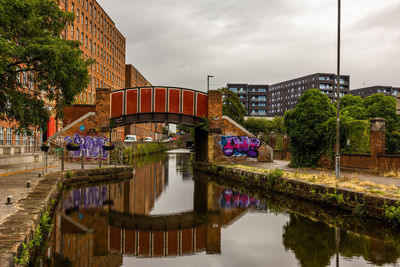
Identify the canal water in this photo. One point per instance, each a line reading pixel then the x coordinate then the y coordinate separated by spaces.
pixel 168 216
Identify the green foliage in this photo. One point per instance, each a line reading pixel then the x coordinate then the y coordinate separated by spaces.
pixel 231 106
pixel 273 176
pixel 37 241
pixel 30 42
pixel 392 214
pixel 333 197
pixel 257 125
pixel 305 125
pixel 204 125
pixel 69 174
pixel 143 149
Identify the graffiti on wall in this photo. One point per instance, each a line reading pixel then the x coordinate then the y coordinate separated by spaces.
pixel 232 199
pixel 240 146
pixel 90 145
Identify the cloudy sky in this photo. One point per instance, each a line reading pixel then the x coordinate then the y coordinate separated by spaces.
pixel 180 42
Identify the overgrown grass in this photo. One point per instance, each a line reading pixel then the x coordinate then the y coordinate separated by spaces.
pixel 328 179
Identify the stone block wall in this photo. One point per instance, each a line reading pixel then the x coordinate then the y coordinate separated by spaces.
pixel 225 135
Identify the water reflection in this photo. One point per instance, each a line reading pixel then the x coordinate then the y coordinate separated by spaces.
pixel 162 214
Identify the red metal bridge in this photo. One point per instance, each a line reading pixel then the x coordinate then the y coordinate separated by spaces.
pixel 158 104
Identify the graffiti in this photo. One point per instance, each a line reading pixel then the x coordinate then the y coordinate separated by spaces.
pixel 91 146
pixel 240 146
pixel 92 197
pixel 232 199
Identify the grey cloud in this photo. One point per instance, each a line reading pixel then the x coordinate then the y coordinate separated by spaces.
pixel 179 42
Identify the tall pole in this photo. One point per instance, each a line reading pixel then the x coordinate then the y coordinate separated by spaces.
pixel 208 82
pixel 337 165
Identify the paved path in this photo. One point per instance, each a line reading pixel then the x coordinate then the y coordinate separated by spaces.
pixel 282 164
pixel 15 185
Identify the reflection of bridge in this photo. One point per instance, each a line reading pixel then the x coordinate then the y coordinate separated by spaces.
pixel 103 232
pixel 158 104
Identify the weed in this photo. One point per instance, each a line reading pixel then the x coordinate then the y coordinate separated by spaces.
pixel 333 197
pixel 376 191
pixel 69 175
pixel 392 214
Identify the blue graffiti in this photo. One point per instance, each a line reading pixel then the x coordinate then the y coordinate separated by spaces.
pixel 91 146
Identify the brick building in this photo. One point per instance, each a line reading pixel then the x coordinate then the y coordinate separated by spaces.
pixel 276 99
pixel 101 41
pixel 367 91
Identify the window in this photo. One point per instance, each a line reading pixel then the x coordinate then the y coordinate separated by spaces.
pixel 82 19
pixel 72 7
pixel 72 30
pixel 31 80
pixel 82 39
pixel 1 136
pixel 77 14
pixel 24 138
pixel 24 78
pixel 18 75
pixel 87 23
pixel 17 139
pixel 8 137
pixel 77 34
pixel 32 140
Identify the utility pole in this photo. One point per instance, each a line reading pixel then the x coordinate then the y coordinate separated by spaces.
pixel 337 157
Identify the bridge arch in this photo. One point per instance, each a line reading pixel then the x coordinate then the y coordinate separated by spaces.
pixel 158 104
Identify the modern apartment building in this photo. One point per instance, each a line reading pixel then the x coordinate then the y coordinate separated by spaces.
pixel 367 91
pixel 252 96
pixel 276 99
pixel 283 96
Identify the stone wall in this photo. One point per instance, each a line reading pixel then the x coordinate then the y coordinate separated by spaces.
pixel 230 142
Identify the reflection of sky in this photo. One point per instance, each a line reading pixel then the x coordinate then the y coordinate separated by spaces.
pixel 178 195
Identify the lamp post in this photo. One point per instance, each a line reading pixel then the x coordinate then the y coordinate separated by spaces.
pixel 337 157
pixel 208 81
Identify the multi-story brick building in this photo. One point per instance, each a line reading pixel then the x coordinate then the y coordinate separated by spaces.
pixel 367 91
pixel 100 40
pixel 276 99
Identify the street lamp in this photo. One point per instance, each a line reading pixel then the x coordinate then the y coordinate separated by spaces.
pixel 208 81
pixel 337 157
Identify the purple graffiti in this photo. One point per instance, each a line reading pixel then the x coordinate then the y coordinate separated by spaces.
pixel 92 197
pixel 232 199
pixel 240 146
pixel 90 145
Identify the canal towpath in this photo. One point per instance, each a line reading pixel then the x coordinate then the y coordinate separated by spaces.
pixel 362 176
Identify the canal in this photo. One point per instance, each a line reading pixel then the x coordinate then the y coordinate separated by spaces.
pixel 167 216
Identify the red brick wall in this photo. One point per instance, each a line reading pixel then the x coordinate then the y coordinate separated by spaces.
pixel 72 113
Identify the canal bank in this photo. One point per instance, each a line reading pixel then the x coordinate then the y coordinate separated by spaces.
pixel 362 199
pixel 20 232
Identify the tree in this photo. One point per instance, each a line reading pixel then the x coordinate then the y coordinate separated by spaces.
pixel 232 107
pixel 31 47
pixel 305 125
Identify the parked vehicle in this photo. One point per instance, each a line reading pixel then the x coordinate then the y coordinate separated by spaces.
pixel 130 138
pixel 148 139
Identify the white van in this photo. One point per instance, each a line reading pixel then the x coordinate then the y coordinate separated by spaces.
pixel 130 138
